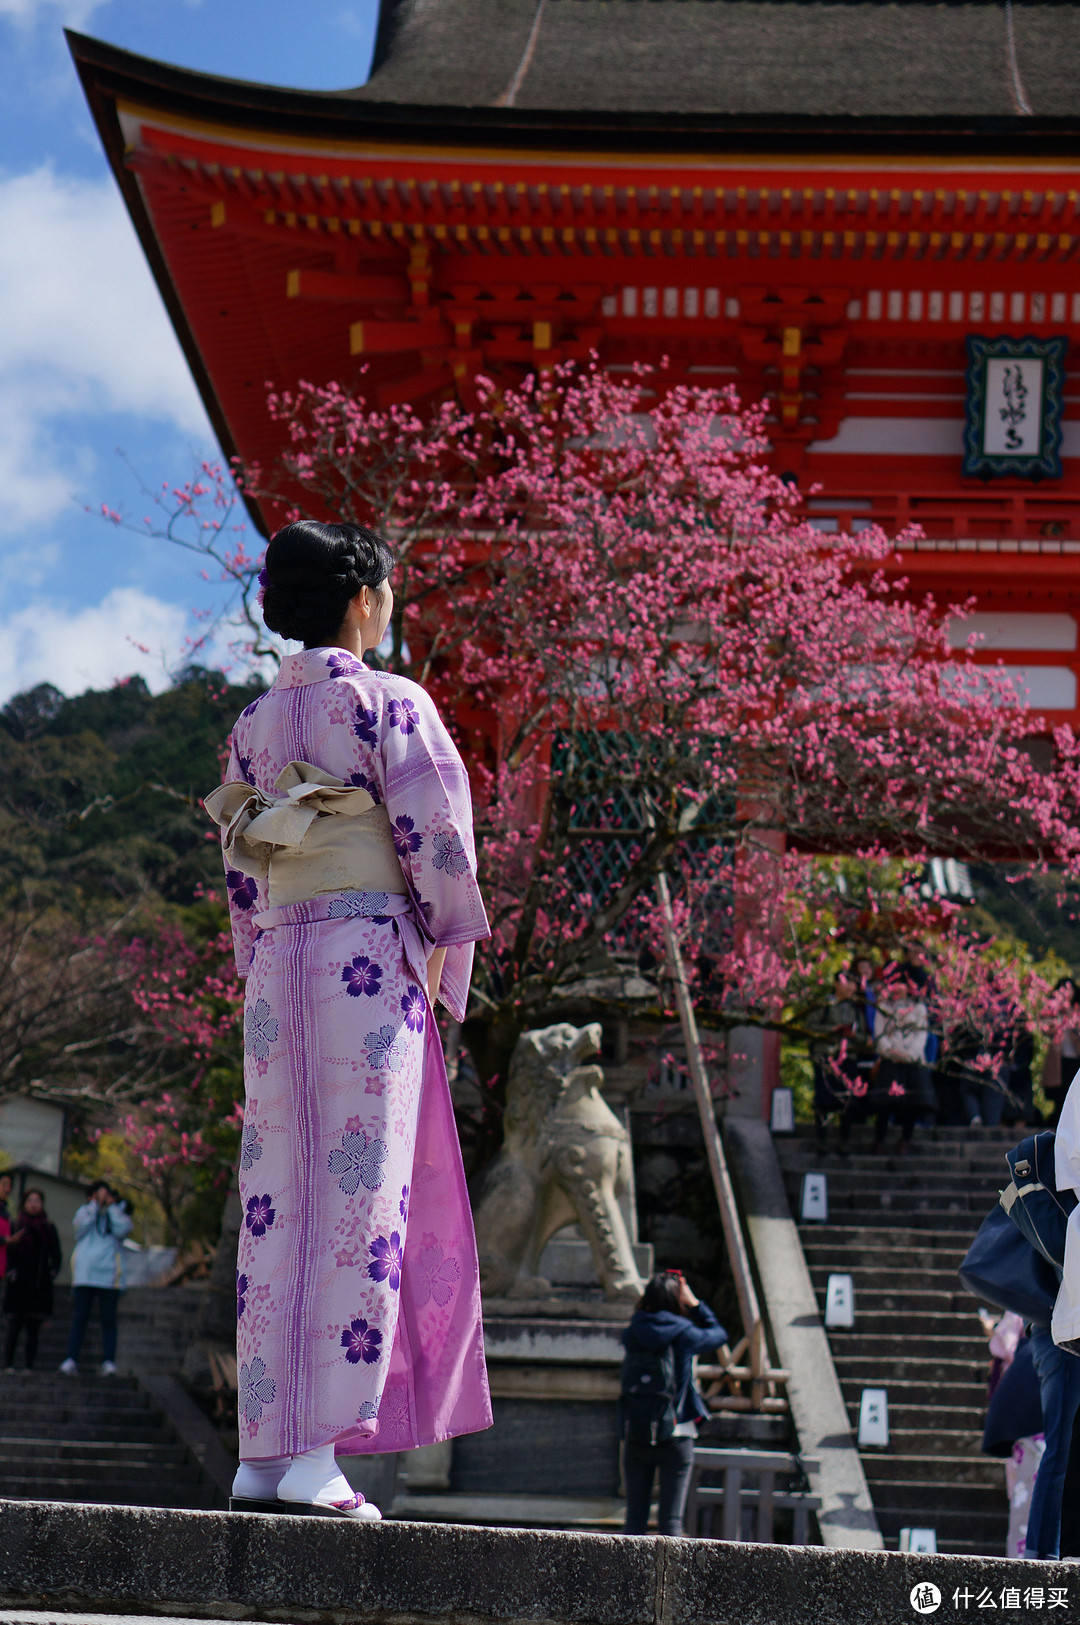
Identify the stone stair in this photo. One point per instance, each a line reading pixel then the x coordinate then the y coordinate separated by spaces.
pixel 899 1226
pixel 95 1439
pixel 102 1439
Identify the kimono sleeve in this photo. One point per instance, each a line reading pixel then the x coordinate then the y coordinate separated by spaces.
pixel 247 896
pixel 430 808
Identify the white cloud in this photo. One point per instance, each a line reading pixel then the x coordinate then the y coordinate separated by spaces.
pixel 66 13
pixel 129 633
pixel 84 334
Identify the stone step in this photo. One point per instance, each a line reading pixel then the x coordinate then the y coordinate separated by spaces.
pixel 36 1387
pixel 937 1135
pixel 884 1290
pixel 884 1304
pixel 889 1352
pixel 88 1426
pixel 934 1155
pixel 922 1505
pixel 93 1462
pixel 938 1175
pixel 880 1266
pixel 914 1397
pixel 946 1184
pixel 107 1489
pixel 932 1250
pixel 909 1441
pixel 909 1208
pixel 895 1326
pixel 944 1419
pixel 939 1293
pixel 57 1382
pixel 982 1472
pixel 882 1373
pixel 965 1221
pixel 148 1354
pixel 158 1455
pixel 879 1208
pixel 41 1415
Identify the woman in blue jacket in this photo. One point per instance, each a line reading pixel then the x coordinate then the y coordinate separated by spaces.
pixel 668 1317
pixel 97 1271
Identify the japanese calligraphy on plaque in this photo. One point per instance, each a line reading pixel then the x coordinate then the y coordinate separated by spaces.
pixel 1014 401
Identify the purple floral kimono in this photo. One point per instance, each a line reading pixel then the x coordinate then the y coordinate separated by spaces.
pixel 357 1288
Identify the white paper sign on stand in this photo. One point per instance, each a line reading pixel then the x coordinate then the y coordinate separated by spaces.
pixel 874 1418
pixel 918 1540
pixel 815 1199
pixel 782 1116
pixel 839 1303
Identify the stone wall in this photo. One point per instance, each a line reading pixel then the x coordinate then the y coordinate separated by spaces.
pixel 316 1571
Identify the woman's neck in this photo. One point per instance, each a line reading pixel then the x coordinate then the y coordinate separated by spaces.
pixel 350 639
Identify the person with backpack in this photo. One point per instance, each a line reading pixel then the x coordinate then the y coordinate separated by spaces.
pixel 659 1404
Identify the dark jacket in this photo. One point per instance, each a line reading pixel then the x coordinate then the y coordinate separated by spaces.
pixel 33 1262
pixel 689 1337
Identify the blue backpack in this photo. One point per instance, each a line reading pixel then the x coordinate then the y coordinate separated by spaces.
pixel 1032 1200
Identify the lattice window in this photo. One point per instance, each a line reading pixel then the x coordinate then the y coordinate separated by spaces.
pixel 599 773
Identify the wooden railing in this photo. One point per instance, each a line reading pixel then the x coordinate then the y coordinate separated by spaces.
pixel 750 1483
pixel 997 520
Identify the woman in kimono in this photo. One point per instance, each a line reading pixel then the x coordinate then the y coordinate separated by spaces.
pixel 350 867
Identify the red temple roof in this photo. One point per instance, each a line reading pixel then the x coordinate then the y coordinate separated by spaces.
pixel 831 260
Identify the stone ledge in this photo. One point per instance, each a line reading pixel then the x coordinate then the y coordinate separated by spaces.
pixel 313 1571
pixel 847 1517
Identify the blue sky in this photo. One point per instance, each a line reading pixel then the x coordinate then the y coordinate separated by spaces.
pixel 89 366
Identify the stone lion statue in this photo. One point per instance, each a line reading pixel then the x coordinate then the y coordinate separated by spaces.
pixel 565 1158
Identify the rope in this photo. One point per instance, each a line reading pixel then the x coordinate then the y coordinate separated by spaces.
pixel 509 95
pixel 1020 101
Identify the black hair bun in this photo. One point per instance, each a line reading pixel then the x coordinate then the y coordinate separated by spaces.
pixel 313 571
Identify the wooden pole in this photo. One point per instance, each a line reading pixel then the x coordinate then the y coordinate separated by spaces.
pixel 725 1196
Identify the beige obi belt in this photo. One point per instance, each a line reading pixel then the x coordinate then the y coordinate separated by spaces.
pixel 317 835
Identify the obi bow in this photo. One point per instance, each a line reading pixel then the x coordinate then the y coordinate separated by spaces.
pixel 255 824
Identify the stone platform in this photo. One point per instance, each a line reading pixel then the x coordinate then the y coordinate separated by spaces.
pixel 59 1562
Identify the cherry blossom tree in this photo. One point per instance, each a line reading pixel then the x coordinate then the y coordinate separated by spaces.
pixel 653 662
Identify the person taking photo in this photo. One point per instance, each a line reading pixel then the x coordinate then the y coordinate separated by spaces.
pixel 660 1406
pixel 97 1273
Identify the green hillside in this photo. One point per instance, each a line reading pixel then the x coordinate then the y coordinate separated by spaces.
pixel 100 793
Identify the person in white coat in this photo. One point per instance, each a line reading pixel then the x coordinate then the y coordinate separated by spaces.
pixel 901 1028
pixel 97 1272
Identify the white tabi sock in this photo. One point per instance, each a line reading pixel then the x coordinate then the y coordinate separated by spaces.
pixel 259 1480
pixel 315 1476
